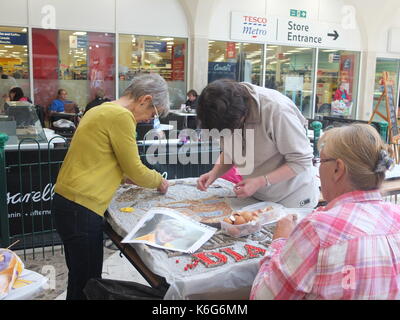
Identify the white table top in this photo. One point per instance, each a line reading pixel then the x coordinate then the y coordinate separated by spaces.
pixel 183 114
pixel 232 280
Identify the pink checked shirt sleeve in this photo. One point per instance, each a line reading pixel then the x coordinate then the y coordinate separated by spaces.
pixel 289 270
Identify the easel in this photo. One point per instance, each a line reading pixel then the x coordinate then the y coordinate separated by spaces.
pixel 391 114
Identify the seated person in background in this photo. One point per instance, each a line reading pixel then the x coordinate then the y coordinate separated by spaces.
pixel 191 102
pixel 61 104
pixel 16 94
pixel 99 99
pixel 349 249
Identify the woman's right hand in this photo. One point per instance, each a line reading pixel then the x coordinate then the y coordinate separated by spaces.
pixel 205 180
pixel 163 188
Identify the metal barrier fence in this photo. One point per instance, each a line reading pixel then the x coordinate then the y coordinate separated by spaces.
pixel 27 181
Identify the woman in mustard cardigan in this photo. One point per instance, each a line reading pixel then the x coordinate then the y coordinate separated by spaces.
pixel 102 151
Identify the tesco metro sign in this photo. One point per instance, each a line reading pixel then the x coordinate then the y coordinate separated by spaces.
pixel 250 27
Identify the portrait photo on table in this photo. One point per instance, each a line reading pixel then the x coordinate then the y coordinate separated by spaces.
pixel 169 229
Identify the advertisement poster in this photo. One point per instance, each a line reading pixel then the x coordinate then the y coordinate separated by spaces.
pixel 169 229
pixel 178 62
pixel 230 50
pixel 347 70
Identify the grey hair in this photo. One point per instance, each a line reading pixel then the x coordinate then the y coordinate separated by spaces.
pixel 150 84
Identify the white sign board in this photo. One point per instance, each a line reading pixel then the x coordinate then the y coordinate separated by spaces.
pixel 73 42
pixel 294 83
pixel 301 32
pixel 252 27
pixel 293 32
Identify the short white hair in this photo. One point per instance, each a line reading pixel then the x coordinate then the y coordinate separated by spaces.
pixel 150 84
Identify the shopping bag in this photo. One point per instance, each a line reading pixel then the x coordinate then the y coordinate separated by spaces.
pixel 108 289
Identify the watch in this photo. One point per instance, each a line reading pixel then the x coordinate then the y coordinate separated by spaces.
pixel 267 181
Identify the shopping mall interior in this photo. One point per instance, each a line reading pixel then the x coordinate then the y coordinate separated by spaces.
pixel 334 62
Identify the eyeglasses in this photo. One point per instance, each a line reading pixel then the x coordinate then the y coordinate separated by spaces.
pixel 156 115
pixel 156 120
pixel 318 160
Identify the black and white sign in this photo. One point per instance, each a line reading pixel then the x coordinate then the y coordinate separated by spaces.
pixel 293 32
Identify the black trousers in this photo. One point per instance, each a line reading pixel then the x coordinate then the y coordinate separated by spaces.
pixel 81 231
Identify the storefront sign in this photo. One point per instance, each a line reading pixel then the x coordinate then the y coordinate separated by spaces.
pixel 293 31
pixel 333 57
pixel 221 70
pixel 13 38
pixel 155 46
pixel 251 27
pixel 301 32
pixel 82 41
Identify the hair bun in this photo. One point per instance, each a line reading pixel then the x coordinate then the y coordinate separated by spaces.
pixel 384 162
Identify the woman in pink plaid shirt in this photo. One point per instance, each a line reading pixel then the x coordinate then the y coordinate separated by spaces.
pixel 349 249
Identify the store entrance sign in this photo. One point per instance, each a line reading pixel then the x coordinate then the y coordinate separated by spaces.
pixel 300 32
pixel 252 27
pixel 293 31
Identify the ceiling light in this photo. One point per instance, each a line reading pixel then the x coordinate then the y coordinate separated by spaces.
pixel 167 39
pixel 8 46
pixel 79 33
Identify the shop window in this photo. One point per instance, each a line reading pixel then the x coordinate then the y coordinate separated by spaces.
pixel 392 67
pixel 14 62
pixel 149 54
pixel 79 62
pixel 337 83
pixel 289 70
pixel 235 60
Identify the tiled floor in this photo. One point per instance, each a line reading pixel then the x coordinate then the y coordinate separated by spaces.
pixel 114 267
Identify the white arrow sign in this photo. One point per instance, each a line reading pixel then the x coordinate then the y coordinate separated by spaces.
pixel 293 32
pixel 300 32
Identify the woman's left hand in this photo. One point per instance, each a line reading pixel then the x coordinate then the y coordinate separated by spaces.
pixel 248 187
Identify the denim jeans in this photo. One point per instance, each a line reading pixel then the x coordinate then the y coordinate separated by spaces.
pixel 81 231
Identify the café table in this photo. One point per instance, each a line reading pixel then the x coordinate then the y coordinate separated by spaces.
pixel 184 114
